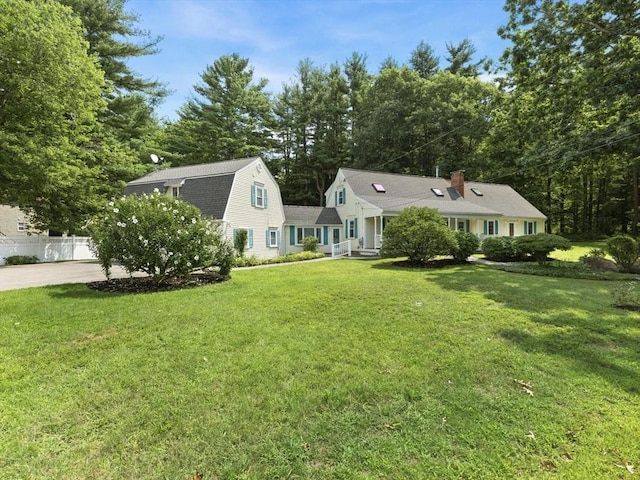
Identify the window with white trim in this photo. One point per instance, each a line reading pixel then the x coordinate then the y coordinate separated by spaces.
pixel 353 233
pixel 304 232
pixel 22 226
pixel 272 237
pixel 491 228
pixel 260 196
pixel 529 228
pixel 340 196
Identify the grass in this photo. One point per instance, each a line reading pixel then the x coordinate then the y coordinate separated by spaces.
pixel 349 369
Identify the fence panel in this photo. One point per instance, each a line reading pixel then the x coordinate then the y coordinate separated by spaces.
pixel 47 249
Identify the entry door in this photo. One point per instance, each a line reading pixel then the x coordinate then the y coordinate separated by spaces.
pixel 512 229
pixel 336 235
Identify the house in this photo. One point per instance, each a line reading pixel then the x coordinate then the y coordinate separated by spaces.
pixel 367 200
pixel 324 223
pixel 15 223
pixel 241 194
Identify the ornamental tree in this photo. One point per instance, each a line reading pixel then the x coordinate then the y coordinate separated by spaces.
pixel 418 233
pixel 158 235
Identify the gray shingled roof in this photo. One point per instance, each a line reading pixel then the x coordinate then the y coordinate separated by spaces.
pixel 193 171
pixel 403 191
pixel 298 215
pixel 207 186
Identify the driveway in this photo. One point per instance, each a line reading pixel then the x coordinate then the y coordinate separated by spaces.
pixel 13 277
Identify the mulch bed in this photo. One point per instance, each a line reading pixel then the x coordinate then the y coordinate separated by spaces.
pixel 146 284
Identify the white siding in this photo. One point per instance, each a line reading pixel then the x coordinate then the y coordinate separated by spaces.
pixel 241 214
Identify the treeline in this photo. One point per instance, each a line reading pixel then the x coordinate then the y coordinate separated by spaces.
pixel 560 123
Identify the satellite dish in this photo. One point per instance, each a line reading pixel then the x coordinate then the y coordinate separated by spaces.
pixel 154 158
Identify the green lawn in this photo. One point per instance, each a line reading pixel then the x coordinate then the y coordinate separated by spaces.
pixel 348 369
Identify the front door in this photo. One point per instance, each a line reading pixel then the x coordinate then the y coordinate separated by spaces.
pixel 512 229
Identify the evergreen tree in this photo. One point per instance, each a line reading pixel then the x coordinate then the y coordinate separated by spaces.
pixel 230 116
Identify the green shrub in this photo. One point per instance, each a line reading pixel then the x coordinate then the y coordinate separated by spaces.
pixel 21 260
pixel 501 249
pixel 540 245
pixel 467 245
pixel 240 241
pixel 626 295
pixel 418 233
pixel 624 250
pixel 310 244
pixel 161 236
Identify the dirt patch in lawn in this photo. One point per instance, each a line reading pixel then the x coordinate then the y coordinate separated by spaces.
pixel 147 284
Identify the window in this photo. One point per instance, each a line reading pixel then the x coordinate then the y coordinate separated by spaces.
pixel 341 196
pixel 174 191
pixel 273 237
pixel 462 226
pixel 437 192
pixel 258 196
pixel 353 228
pixel 529 228
pixel 491 227
pixel 304 232
pixel 378 187
pixel 22 226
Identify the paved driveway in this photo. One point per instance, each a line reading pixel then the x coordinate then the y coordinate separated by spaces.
pixel 24 276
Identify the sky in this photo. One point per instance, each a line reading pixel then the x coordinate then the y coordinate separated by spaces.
pixel 275 35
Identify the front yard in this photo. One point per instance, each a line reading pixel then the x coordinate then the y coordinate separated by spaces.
pixel 338 369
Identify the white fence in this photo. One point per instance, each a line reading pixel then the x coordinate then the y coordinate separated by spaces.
pixel 47 249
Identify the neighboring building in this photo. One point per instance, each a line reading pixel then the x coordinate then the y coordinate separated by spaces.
pixel 321 222
pixel 239 193
pixel 15 223
pixel 366 200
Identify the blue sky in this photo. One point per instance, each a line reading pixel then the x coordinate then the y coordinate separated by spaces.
pixel 276 34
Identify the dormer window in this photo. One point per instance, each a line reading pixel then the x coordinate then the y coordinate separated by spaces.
pixel 437 192
pixel 477 192
pixel 378 187
pixel 173 186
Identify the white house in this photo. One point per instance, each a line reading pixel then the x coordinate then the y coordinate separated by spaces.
pixel 366 200
pixel 241 194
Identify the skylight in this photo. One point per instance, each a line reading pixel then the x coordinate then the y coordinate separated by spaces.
pixel 477 192
pixel 438 192
pixel 378 187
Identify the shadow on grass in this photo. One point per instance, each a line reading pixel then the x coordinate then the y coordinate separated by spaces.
pixel 78 291
pixel 575 319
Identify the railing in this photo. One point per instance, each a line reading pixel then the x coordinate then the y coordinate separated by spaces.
pixel 341 249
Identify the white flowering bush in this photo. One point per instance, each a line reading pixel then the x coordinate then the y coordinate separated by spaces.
pixel 162 236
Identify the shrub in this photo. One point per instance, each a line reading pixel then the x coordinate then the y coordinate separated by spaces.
pixel 240 241
pixel 626 295
pixel 417 233
pixel 624 250
pixel 21 260
pixel 540 245
pixel 501 249
pixel 161 236
pixel 310 244
pixel 467 245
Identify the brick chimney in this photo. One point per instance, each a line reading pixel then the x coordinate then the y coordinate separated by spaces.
pixel 457 181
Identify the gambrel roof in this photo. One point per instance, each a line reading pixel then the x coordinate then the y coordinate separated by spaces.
pixel 401 191
pixel 207 185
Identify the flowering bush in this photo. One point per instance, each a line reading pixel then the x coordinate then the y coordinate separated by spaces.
pixel 161 236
